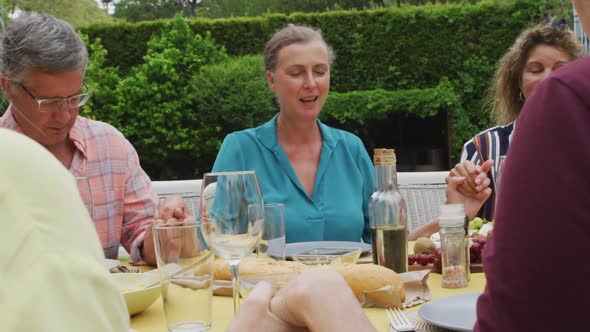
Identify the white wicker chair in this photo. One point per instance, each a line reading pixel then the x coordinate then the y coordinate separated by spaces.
pixel 424 193
pixel 189 190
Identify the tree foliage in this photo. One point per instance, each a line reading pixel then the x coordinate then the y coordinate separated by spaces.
pixel 76 12
pixel 235 8
pixel 145 10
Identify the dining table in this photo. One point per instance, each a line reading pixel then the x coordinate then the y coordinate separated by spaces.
pixel 153 320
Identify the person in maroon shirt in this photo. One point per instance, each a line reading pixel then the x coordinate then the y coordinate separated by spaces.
pixel 536 260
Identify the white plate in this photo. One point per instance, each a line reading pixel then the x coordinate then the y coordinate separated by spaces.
pixel 299 247
pixel 111 263
pixel 453 312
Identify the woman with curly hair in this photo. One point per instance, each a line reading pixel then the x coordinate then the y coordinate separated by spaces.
pixel 535 54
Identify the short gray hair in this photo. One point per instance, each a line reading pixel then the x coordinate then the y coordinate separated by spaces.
pixel 40 42
pixel 288 35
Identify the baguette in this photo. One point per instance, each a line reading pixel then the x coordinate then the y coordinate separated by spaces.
pixel 369 277
pixel 361 278
pixel 252 266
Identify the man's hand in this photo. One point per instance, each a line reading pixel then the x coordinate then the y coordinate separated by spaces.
pixel 469 185
pixel 316 300
pixel 255 314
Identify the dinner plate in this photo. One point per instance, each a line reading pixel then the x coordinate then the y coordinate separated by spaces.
pixel 299 247
pixel 453 312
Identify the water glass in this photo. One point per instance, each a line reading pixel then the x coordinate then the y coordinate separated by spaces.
pixel 185 265
pixel 272 243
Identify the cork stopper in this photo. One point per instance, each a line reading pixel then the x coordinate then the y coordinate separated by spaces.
pixel 384 157
pixel 377 156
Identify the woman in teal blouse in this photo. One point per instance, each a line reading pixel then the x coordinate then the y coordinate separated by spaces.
pixel 323 175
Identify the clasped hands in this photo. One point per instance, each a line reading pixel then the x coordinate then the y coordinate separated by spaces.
pixel 316 300
pixel 469 184
pixel 172 211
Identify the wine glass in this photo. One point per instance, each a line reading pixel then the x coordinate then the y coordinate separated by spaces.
pixel 227 227
pixel 86 194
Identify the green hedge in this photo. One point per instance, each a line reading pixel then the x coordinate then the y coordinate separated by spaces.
pixel 389 48
pixel 177 96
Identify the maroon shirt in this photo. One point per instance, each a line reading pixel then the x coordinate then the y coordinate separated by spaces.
pixel 537 262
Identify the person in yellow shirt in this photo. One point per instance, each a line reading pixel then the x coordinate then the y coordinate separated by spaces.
pixel 51 264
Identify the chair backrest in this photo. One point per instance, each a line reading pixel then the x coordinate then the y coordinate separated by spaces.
pixel 189 190
pixel 424 193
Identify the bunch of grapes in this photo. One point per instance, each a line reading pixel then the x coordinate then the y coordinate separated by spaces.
pixel 422 259
pixel 476 249
pixel 425 259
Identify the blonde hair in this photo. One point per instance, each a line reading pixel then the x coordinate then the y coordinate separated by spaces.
pixel 504 95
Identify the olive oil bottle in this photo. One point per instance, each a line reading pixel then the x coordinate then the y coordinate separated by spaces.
pixel 388 215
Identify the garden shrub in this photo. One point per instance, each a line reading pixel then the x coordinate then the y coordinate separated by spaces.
pixel 227 97
pixel 153 107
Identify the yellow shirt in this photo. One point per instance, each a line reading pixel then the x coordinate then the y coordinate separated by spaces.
pixel 52 276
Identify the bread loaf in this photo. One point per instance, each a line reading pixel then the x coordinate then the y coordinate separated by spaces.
pixel 369 277
pixel 360 277
pixel 251 266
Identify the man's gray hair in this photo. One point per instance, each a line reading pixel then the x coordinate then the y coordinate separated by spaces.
pixel 40 42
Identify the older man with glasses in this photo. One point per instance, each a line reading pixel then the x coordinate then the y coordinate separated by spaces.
pixel 42 67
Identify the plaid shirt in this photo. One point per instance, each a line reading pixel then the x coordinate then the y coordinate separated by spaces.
pixel 124 202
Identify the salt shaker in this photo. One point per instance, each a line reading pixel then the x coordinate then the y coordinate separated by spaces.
pixel 452 239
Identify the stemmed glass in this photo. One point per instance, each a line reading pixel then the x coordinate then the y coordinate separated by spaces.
pixel 227 227
pixel 86 194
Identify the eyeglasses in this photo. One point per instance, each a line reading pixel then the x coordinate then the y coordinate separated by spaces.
pixel 53 104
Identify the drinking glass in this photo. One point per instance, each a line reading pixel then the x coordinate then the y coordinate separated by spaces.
pixel 227 227
pixel 86 194
pixel 185 266
pixel 272 242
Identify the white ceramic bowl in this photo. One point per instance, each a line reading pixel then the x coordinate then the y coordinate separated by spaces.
pixel 132 287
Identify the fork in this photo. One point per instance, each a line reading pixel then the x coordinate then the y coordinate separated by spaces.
pixel 399 321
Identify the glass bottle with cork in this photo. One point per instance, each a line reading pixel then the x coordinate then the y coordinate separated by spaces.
pixel 453 251
pixel 388 215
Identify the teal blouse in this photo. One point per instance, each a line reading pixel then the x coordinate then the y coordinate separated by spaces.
pixel 338 208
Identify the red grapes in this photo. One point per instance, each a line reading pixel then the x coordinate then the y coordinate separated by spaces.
pixel 476 249
pixel 478 244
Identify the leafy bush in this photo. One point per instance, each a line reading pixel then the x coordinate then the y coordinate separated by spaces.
pixel 103 82
pixel 229 96
pixel 153 107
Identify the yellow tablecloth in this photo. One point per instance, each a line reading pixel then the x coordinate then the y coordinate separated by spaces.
pixel 152 320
